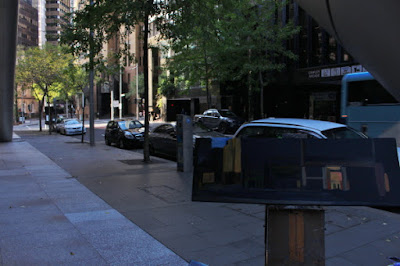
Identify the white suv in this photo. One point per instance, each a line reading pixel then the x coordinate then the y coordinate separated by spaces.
pixel 297 128
pixel 282 128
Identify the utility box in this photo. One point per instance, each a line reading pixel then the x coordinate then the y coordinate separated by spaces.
pixel 184 140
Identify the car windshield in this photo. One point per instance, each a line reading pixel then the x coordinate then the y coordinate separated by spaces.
pixel 129 124
pixel 71 122
pixel 227 113
pixel 200 128
pixel 343 133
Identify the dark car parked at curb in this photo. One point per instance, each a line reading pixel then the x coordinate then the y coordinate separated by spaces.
pixel 125 133
pixel 162 139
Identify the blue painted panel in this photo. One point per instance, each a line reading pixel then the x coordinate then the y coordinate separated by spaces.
pixel 378 119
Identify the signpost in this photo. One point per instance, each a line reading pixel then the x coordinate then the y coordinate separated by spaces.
pixel 184 140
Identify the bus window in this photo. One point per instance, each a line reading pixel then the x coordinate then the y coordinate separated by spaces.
pixel 368 107
pixel 368 92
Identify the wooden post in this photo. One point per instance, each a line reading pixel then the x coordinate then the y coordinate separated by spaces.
pixel 294 235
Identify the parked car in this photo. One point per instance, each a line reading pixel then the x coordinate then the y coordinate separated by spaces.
pixel 57 123
pixel 162 139
pixel 282 128
pixel 223 120
pixel 297 128
pixel 71 127
pixel 125 133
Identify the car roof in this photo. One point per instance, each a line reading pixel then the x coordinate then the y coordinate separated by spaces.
pixel 124 119
pixel 304 123
pixel 214 109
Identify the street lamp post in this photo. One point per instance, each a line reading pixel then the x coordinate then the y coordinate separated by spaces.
pixel 112 103
pixel 120 93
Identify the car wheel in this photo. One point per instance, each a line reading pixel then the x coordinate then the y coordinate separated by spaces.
pixel 121 144
pixel 108 143
pixel 222 128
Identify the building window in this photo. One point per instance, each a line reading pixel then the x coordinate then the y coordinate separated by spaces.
pixel 303 60
pixel 316 45
pixel 332 49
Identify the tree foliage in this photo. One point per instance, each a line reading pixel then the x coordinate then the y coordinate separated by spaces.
pixel 43 71
pixel 226 40
pixel 108 19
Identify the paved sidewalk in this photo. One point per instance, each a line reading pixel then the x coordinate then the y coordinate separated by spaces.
pixel 49 218
pixel 47 207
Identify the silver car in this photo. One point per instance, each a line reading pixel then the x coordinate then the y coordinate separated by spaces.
pixel 71 127
pixel 282 128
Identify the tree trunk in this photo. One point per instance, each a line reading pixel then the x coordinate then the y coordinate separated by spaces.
pixel 206 77
pixel 48 106
pixel 146 151
pixel 261 95
pixel 41 103
pixel 16 103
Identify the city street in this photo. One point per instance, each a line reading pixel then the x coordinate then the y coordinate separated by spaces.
pixel 157 198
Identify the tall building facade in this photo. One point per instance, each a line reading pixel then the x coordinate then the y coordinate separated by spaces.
pixel 310 86
pixel 55 12
pixel 27 24
pixel 40 5
pixel 27 36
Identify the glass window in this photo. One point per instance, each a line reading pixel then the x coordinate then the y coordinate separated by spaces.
pixel 276 133
pixel 135 124
pixel 227 113
pixel 200 128
pixel 122 125
pixel 251 131
pixel 368 92
pixel 343 133
pixel 71 122
pixel 164 129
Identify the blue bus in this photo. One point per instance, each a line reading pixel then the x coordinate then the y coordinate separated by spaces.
pixel 368 107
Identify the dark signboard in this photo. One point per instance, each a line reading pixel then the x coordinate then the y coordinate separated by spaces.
pixel 359 172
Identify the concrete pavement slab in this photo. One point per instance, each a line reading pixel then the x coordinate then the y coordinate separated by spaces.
pixel 338 261
pixel 358 236
pixel 365 255
pixel 46 218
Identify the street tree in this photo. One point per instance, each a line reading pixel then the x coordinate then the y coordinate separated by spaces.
pixel 76 79
pixel 108 19
pixel 132 87
pixel 43 70
pixel 227 41
pixel 20 84
pixel 190 28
